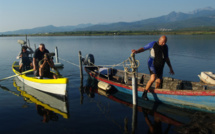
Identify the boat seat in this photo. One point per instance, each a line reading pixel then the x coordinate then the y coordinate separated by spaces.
pixel 118 79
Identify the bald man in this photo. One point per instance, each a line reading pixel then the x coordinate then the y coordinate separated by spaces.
pixel 158 57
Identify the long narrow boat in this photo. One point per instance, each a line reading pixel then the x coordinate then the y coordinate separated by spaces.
pixel 195 95
pixel 54 86
pixel 175 117
pixel 207 77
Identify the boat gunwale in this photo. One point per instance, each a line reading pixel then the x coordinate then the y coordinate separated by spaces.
pixel 42 81
pixel 157 91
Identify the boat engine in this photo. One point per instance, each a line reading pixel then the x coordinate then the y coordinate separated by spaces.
pixel 89 60
pixel 21 42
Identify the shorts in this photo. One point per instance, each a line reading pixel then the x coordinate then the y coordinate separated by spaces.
pixel 158 70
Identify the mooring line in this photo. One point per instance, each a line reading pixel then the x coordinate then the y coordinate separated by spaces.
pixel 111 66
pixel 69 62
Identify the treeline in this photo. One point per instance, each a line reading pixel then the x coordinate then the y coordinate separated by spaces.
pixel 112 33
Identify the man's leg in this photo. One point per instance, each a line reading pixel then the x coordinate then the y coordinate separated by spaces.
pixel 157 83
pixel 41 72
pixel 148 85
pixel 150 82
pixel 20 67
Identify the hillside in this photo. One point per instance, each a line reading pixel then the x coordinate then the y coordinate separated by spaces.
pixel 172 21
pixel 200 18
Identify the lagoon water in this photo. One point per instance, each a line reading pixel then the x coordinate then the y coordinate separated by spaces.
pixel 87 110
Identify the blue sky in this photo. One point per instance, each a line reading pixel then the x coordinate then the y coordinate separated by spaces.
pixel 26 14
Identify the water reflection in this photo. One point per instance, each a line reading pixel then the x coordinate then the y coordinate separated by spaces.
pixel 46 114
pixel 48 106
pixel 158 118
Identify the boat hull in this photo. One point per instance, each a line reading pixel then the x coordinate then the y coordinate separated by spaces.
pixel 194 102
pixel 207 77
pixel 53 86
pixel 203 100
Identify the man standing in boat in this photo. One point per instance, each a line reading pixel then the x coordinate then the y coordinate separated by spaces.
pixel 38 55
pixel 158 57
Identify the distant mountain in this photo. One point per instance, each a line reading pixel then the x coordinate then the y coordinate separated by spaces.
pixel 47 29
pixel 173 21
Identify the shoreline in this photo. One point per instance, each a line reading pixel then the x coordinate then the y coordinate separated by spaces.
pixel 115 33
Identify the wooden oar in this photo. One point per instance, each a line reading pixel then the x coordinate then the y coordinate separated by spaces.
pixel 28 71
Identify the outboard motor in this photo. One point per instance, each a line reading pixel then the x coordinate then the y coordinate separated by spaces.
pixel 89 60
pixel 21 42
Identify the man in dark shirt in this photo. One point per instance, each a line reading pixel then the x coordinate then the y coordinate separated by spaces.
pixel 158 57
pixel 38 55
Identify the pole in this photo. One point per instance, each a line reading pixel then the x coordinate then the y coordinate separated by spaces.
pixel 26 40
pixel 56 55
pixel 134 119
pixel 134 80
pixel 134 88
pixel 80 65
pixel 81 91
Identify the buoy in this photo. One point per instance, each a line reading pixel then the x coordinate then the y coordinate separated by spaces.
pixel 104 86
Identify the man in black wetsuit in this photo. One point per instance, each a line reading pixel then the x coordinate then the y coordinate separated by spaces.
pixel 157 59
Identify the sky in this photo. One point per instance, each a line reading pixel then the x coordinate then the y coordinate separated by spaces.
pixel 27 14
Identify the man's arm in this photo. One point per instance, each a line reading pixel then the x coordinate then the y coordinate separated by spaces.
pixel 51 63
pixel 43 63
pixel 34 64
pixel 142 49
pixel 169 65
pixel 138 50
pixel 19 55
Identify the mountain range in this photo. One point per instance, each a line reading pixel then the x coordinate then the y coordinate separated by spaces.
pixel 172 21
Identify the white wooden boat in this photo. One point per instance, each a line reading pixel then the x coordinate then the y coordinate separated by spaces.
pixel 207 77
pixel 53 86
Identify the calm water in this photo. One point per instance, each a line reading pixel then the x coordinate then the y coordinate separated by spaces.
pixel 87 109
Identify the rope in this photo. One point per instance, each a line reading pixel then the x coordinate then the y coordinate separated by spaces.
pixel 69 62
pixel 120 63
pixel 124 63
pixel 114 65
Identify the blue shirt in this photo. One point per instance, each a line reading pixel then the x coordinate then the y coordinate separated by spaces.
pixel 152 51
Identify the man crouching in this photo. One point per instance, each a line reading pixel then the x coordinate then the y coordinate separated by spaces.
pixel 44 67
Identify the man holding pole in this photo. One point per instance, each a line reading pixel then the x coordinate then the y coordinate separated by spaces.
pixel 158 57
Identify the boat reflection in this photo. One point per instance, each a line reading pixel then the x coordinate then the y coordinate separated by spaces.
pixel 47 105
pixel 157 115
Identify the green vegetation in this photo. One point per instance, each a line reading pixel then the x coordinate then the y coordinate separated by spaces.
pixel 187 31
